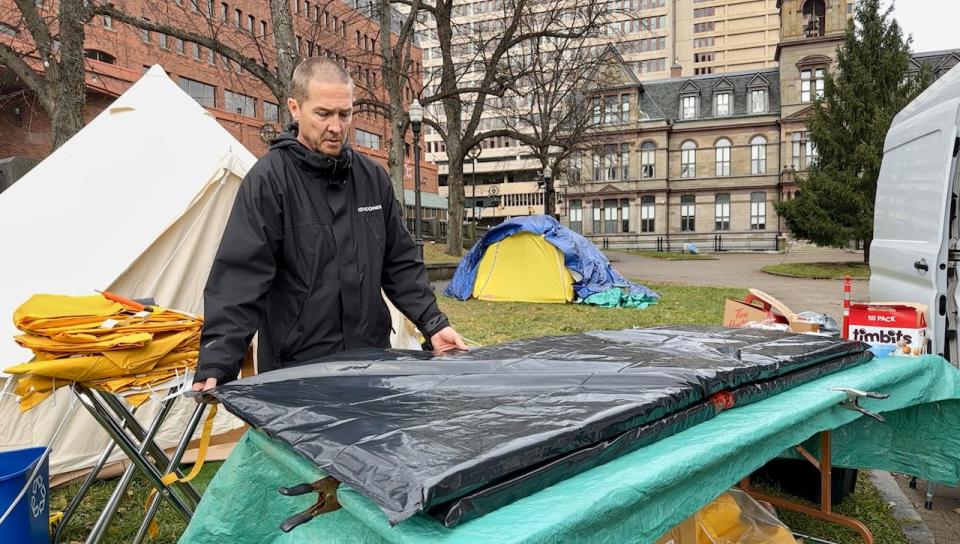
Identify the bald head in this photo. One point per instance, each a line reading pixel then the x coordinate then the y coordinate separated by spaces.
pixel 322 104
pixel 322 71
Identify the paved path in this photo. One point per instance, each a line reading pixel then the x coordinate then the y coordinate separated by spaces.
pixel 943 520
pixel 743 270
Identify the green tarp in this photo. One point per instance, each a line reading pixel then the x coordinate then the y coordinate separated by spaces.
pixel 637 497
pixel 619 298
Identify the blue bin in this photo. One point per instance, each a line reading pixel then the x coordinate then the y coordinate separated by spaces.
pixel 29 523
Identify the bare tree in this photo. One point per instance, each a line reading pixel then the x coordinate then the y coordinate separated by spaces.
pixel 49 59
pixel 396 62
pixel 320 30
pixel 550 108
pixel 474 67
pixel 269 56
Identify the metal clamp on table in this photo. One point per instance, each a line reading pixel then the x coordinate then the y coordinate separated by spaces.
pixel 825 465
pixel 326 489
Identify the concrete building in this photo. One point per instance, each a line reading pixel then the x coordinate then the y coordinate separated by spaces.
pixel 118 54
pixel 712 36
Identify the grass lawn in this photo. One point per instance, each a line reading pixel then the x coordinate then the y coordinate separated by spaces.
pixel 865 504
pixel 129 514
pixel 673 255
pixel 436 254
pixel 494 322
pixel 820 271
pixel 491 322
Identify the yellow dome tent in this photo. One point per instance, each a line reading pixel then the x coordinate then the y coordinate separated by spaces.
pixel 523 268
pixel 536 259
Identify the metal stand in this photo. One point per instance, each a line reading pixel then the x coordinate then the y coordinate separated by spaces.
pixel 171 466
pixel 82 492
pixel 931 490
pixel 145 455
pixel 825 512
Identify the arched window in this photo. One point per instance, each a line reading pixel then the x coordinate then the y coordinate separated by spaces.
pixel 758 155
pixel 648 160
pixel 723 157
pixel 688 159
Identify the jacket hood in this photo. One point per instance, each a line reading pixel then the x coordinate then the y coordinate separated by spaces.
pixel 329 167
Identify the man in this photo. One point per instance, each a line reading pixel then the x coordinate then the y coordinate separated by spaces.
pixel 314 235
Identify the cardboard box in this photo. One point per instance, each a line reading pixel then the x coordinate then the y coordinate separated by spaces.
pixel 737 313
pixel 759 307
pixel 685 533
pixel 902 326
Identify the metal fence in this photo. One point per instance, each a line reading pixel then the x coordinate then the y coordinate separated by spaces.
pixel 433 228
pixel 679 242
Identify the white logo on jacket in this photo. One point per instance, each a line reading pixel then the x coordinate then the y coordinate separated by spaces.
pixel 363 209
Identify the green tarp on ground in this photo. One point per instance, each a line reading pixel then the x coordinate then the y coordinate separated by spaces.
pixel 634 498
pixel 618 298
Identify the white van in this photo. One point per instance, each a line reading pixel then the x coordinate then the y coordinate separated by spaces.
pixel 914 254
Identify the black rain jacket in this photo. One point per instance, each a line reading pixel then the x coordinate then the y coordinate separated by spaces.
pixel 309 244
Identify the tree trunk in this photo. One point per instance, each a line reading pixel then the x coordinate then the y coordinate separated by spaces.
pixel 393 71
pixel 285 43
pixel 396 158
pixel 455 156
pixel 455 211
pixel 66 81
pixel 866 250
pixel 65 121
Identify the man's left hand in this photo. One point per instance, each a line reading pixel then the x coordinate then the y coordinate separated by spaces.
pixel 446 340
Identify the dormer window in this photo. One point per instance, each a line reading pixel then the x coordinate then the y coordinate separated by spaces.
pixel 689 101
pixel 758 95
pixel 722 102
pixel 688 107
pixel 758 100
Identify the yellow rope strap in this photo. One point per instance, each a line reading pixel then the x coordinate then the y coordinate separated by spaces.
pixel 171 478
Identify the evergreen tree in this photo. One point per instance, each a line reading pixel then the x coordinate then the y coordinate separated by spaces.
pixel 871 83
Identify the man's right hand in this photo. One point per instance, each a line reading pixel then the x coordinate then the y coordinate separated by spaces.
pixel 205 386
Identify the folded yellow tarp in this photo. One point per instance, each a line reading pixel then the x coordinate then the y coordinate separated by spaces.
pixel 42 308
pixel 84 343
pixel 119 347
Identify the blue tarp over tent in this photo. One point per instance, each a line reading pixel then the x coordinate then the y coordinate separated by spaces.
pixel 591 270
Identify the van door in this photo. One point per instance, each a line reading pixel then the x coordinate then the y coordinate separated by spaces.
pixel 912 216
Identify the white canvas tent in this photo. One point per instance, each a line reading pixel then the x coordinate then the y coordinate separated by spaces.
pixel 135 203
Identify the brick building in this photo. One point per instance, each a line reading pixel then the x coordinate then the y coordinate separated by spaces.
pixel 117 54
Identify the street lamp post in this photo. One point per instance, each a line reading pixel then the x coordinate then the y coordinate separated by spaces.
pixel 416 118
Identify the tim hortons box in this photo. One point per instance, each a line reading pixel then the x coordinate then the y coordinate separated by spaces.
pixel 900 325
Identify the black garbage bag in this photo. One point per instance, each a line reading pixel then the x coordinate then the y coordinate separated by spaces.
pixel 461 435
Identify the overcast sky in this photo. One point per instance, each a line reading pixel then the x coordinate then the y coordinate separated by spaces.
pixel 934 24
